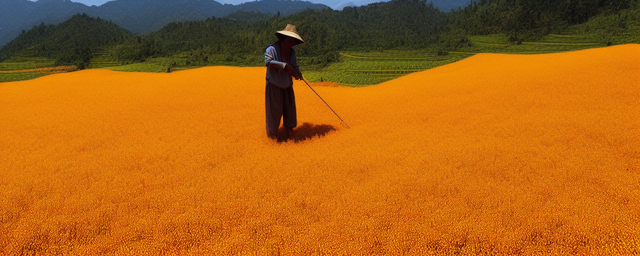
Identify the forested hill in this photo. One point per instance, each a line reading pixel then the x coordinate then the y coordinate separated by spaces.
pixel 69 43
pixel 394 24
pixel 244 35
pixel 138 16
pixel 530 19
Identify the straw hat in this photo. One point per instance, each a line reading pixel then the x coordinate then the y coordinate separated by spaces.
pixel 290 31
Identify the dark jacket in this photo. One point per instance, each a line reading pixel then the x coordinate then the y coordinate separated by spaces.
pixel 276 74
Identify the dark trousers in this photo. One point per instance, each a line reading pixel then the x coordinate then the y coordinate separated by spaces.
pixel 279 103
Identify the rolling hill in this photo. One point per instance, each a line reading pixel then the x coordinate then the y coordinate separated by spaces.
pixel 69 43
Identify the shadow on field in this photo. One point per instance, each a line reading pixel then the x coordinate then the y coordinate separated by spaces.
pixel 306 131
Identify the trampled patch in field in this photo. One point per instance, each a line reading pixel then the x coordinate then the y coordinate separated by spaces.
pixel 495 154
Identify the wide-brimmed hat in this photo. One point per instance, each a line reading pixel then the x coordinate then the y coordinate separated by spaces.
pixel 290 31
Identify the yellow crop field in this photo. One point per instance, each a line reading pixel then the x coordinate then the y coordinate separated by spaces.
pixel 493 155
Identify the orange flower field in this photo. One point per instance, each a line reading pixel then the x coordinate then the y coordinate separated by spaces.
pixel 496 154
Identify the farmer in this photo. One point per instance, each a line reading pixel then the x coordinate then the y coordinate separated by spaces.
pixel 282 65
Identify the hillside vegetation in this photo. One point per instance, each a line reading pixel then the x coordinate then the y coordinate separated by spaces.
pixel 532 19
pixel 72 42
pixel 326 32
pixel 398 24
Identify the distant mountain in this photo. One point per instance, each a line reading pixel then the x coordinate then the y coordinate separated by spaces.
pixel 343 5
pixel 137 16
pixel 448 5
pixel 443 5
pixel 18 15
pixel 141 16
pixel 284 7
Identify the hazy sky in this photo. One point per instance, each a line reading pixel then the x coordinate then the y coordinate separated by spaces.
pixel 331 3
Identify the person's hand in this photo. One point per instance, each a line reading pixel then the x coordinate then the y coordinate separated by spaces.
pixel 292 72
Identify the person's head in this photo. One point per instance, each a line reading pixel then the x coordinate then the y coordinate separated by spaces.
pixel 287 41
pixel 289 36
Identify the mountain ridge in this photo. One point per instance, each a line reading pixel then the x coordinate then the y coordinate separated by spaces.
pixel 137 16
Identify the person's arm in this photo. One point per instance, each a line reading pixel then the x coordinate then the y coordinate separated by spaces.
pixel 295 69
pixel 270 59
